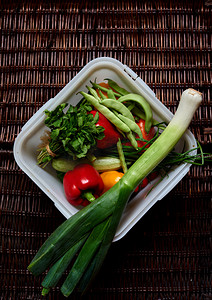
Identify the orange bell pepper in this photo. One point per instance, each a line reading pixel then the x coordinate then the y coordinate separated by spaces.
pixel 110 178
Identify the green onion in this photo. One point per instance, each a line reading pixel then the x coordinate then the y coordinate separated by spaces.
pixel 86 254
pixel 172 159
pixel 56 271
pixel 107 209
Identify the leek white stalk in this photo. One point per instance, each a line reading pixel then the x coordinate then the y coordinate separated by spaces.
pixel 111 204
pixel 190 101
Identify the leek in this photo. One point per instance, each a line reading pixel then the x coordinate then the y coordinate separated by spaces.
pixel 109 207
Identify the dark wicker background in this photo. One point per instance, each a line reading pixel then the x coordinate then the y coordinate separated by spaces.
pixel 168 44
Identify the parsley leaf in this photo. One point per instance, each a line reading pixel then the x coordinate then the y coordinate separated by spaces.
pixel 73 132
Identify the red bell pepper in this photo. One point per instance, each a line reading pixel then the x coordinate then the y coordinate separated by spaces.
pixel 82 185
pixel 153 175
pixel 142 185
pixel 146 136
pixel 146 180
pixel 111 134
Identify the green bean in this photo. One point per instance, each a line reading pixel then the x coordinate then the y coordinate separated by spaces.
pixel 114 104
pixel 131 106
pixel 116 113
pixel 132 125
pixel 132 139
pixel 116 87
pixel 111 95
pixel 121 156
pixel 144 104
pixel 93 92
pixel 106 112
pixel 137 112
pixel 104 89
pixel 102 95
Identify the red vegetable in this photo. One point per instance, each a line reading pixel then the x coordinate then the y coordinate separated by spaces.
pixel 146 136
pixel 152 176
pixel 142 185
pixel 82 185
pixel 111 134
pixel 146 180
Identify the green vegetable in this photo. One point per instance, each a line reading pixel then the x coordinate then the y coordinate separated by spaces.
pixel 139 113
pixel 144 105
pixel 111 95
pixel 93 93
pixel 132 139
pixel 111 204
pixel 121 156
pixel 56 271
pixel 73 133
pixel 128 122
pixel 86 254
pixel 102 95
pixel 121 108
pixel 101 164
pixel 104 89
pixel 62 164
pixel 116 87
pixel 132 125
pixel 190 101
pixel 106 112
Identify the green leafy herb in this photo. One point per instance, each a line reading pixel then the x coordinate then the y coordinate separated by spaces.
pixel 73 132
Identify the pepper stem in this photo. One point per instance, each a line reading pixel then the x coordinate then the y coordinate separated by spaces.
pixel 88 195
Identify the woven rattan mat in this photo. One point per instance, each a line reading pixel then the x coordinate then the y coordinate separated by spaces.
pixel 43 46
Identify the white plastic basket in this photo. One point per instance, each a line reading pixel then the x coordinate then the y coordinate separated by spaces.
pixel 25 146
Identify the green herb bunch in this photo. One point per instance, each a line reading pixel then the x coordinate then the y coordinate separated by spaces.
pixel 72 132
